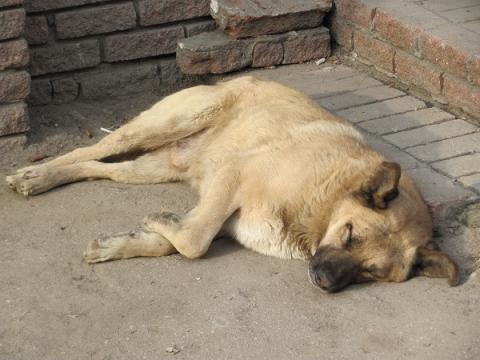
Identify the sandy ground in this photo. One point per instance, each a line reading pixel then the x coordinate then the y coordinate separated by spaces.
pixel 232 304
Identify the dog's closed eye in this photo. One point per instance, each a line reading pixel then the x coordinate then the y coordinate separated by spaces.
pixel 351 240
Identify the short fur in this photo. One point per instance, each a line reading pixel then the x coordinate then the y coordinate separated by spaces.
pixel 274 170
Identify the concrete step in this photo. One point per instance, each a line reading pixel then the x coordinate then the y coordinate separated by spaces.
pixel 217 53
pixel 248 18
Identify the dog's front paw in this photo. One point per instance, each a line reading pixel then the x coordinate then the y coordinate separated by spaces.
pixel 106 248
pixel 159 221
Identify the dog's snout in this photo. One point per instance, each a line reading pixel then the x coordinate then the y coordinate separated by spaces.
pixel 322 279
pixel 332 270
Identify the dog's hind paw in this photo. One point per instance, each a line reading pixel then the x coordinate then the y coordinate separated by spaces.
pixel 29 182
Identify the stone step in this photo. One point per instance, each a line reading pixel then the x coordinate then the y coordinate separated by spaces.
pixel 217 53
pixel 247 18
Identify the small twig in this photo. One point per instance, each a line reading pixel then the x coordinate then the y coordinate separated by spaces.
pixel 38 157
pixel 106 130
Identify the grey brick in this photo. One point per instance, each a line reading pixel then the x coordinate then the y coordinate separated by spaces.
pixel 463 15
pixel 12 23
pixel 36 30
pixel 117 81
pixel 240 19
pixel 430 133
pixel 360 97
pixel 13 54
pixel 213 53
pixel 13 118
pixel 445 5
pixel 472 181
pixel 307 45
pixel 142 44
pixel 64 57
pixel 5 3
pixel 152 12
pixel 64 90
pixel 14 86
pixel 437 188
pixel 459 166
pixel 382 108
pixel 391 152
pixel 199 27
pixel 319 88
pixel 41 93
pixel 405 121
pixel 97 20
pixel 44 5
pixel 447 148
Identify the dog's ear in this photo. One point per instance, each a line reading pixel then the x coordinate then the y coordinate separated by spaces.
pixel 435 264
pixel 381 187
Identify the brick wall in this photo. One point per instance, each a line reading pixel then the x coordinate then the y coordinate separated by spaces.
pixel 414 46
pixel 14 80
pixel 100 48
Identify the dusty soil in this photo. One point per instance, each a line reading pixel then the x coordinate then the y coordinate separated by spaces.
pixel 233 304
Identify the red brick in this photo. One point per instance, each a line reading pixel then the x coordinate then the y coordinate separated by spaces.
pixel 96 20
pixel 36 30
pixel 396 31
pixel 447 56
pixel 306 45
pixel 418 72
pixel 142 44
pixel 341 32
pixel 355 11
pixel 375 51
pixel 152 12
pixel 13 119
pixel 475 70
pixel 45 5
pixel 12 23
pixel 267 54
pixel 64 57
pixel 14 86
pixel 13 54
pixel 461 94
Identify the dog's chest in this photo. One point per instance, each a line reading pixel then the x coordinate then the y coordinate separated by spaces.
pixel 262 232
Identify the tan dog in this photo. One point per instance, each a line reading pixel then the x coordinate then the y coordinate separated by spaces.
pixel 275 171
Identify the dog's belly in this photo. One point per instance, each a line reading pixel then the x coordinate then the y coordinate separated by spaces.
pixel 263 233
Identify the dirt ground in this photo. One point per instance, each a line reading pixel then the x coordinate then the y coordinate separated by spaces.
pixel 232 304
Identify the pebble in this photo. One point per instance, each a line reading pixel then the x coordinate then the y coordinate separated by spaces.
pixel 172 350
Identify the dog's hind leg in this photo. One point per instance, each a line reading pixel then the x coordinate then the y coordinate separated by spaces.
pixel 150 168
pixel 174 118
pixel 171 119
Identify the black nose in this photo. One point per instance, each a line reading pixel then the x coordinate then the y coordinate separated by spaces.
pixel 326 277
pixel 332 269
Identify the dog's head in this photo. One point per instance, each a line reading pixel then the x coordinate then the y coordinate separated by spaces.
pixel 380 232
